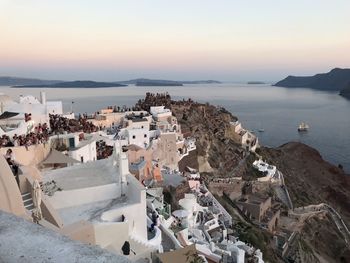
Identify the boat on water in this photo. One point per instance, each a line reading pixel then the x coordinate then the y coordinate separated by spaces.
pixel 303 127
pixel 261 130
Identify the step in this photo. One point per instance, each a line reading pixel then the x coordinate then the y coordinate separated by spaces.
pixel 28 201
pixel 24 195
pixel 29 207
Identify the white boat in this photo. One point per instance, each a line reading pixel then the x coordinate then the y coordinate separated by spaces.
pixel 303 127
pixel 261 130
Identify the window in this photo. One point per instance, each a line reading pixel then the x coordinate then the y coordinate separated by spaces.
pixel 134 137
pixel 142 127
pixel 145 135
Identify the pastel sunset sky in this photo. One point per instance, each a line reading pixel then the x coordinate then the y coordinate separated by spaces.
pixel 184 39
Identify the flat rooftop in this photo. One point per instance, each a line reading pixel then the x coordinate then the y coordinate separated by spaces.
pixel 24 242
pixel 91 212
pixel 100 172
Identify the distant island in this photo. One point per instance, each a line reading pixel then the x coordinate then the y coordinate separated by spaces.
pixel 336 80
pixel 160 82
pixel 75 84
pixel 255 82
pixel 201 82
pixel 151 82
pixel 17 82
pixel 13 81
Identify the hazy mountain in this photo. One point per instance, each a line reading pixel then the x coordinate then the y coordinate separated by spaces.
pixel 346 91
pixel 200 82
pixel 255 82
pixel 161 82
pixel 335 80
pixel 32 82
pixel 78 84
pixel 11 81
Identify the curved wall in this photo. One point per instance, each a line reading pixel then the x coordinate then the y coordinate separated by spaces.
pixel 33 156
pixel 10 196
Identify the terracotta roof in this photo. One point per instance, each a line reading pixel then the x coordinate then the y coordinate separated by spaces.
pixel 134 147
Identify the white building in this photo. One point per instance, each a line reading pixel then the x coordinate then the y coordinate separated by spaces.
pixel 244 137
pixel 80 146
pixel 159 112
pixel 38 108
pixel 267 169
pixel 105 195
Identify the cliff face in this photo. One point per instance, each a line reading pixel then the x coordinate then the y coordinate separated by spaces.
pixel 309 178
pixel 346 91
pixel 320 241
pixel 335 80
pixel 216 150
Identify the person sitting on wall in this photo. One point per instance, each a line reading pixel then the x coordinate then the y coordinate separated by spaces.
pixel 10 158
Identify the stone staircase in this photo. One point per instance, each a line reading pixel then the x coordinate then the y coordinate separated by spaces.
pixel 28 201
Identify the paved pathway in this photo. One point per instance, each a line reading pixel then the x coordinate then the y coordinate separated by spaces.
pixel 282 192
pixel 337 219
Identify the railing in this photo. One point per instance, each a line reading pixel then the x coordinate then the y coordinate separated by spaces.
pixel 216 204
pixel 165 211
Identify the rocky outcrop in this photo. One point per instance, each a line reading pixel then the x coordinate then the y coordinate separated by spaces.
pixel 346 91
pixel 217 152
pixel 335 80
pixel 309 178
pixel 319 241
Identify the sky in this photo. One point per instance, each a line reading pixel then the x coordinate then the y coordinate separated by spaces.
pixel 227 40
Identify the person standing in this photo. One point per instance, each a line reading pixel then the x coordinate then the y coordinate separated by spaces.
pixel 10 158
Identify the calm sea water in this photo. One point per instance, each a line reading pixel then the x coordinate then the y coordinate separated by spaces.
pixel 276 110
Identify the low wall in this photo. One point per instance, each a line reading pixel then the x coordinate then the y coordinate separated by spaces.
pixel 33 156
pixel 10 196
pixel 111 234
pixel 171 235
pixel 156 241
pixel 82 231
pixel 48 212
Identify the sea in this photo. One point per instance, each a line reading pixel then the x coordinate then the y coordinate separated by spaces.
pixel 278 111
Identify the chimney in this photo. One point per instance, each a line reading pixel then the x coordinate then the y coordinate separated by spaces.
pixel 43 97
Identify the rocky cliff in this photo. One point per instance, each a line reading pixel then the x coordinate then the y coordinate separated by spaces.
pixel 309 178
pixel 312 180
pixel 335 80
pixel 346 91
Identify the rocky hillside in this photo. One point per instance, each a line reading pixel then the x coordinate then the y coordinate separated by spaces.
pixel 309 178
pixel 216 152
pixel 320 241
pixel 312 180
pixel 335 80
pixel 346 91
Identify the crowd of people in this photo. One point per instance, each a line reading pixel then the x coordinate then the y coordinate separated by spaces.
pixel 60 124
pixel 39 135
pixel 41 132
pixel 103 150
